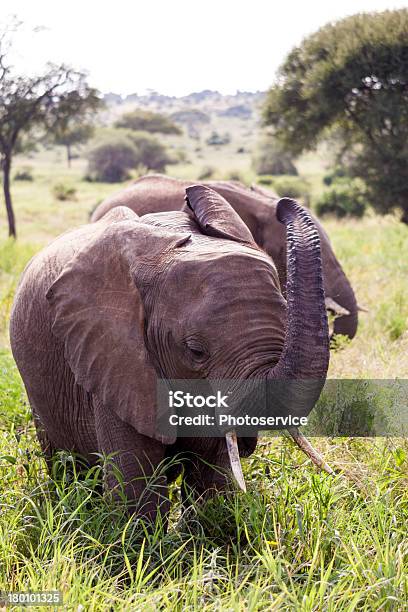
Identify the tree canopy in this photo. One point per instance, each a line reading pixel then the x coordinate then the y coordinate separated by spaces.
pixel 147 121
pixel 352 76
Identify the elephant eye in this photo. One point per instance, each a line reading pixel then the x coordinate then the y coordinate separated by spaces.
pixel 196 350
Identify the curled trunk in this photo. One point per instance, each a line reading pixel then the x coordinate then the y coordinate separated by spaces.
pixel 305 355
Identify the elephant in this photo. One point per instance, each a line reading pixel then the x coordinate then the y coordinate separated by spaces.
pixel 110 307
pixel 257 207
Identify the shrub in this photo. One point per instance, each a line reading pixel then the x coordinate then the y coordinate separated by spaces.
pixel 64 192
pixel 151 153
pixel 24 174
pixel 115 152
pixel 342 200
pixel 265 180
pixel 111 160
pixel 217 139
pixel 235 175
pixel 292 187
pixel 334 175
pixel 269 158
pixel 206 173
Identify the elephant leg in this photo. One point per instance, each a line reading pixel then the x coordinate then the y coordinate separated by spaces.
pixel 138 459
pixel 45 442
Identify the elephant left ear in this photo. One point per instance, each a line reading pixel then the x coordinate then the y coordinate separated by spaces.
pixel 215 215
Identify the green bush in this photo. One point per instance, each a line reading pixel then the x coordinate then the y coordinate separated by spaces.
pixel 265 180
pixel 151 153
pixel 64 192
pixel 292 187
pixel 206 173
pixel 342 200
pixel 217 139
pixel 111 159
pixel 331 177
pixel 115 152
pixel 270 158
pixel 24 174
pixel 235 175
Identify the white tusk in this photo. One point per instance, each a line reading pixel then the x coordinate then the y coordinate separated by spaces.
pixel 233 454
pixel 362 309
pixel 335 307
pixel 304 444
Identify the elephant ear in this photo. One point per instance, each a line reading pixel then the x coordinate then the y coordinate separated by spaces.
pixel 98 315
pixel 215 215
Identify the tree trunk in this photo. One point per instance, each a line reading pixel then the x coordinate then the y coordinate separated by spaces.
pixel 7 196
pixel 69 155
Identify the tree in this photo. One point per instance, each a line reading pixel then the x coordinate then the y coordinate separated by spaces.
pixel 31 106
pixel 271 158
pixel 73 119
pixel 351 77
pixel 147 121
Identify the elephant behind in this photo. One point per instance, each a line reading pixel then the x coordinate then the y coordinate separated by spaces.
pixel 257 208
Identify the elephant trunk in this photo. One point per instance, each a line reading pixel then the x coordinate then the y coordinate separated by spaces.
pixel 297 379
pixel 344 295
pixel 305 354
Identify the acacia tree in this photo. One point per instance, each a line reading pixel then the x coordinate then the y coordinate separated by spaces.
pixel 71 134
pixel 351 77
pixel 147 121
pixel 33 106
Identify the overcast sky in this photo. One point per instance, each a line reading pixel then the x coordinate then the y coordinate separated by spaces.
pixel 173 47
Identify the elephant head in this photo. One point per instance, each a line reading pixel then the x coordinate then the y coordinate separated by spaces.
pixel 190 295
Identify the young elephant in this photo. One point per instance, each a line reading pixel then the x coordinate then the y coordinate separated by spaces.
pixel 110 307
pixel 257 208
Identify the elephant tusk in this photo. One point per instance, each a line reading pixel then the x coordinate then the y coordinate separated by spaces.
pixel 362 309
pixel 233 454
pixel 304 444
pixel 335 307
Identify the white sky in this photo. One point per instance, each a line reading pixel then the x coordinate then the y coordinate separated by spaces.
pixel 174 47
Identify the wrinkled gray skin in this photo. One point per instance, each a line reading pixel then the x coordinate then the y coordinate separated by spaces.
pixel 109 307
pixel 257 207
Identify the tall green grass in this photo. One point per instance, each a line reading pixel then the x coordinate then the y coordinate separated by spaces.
pixel 296 540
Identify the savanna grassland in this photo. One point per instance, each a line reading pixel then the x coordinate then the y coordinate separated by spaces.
pixel 297 540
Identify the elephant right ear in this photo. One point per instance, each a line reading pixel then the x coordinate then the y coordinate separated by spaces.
pixel 215 215
pixel 98 315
